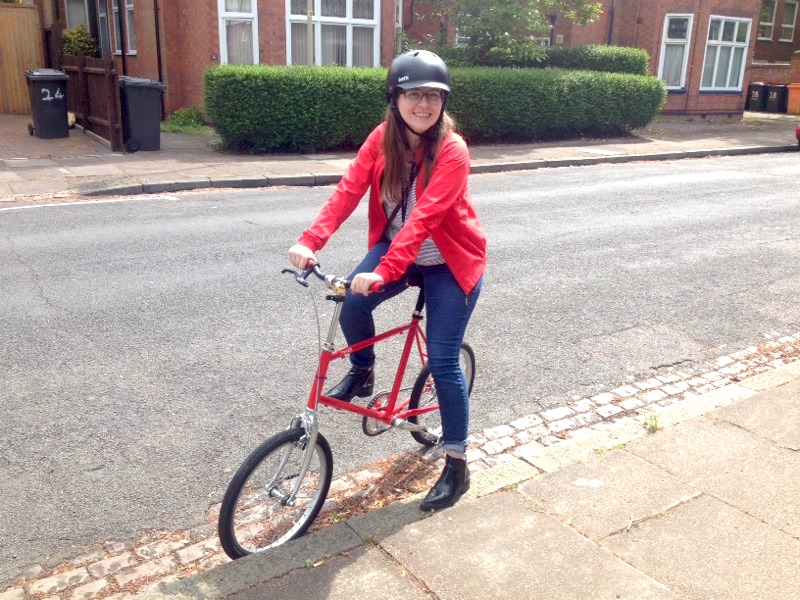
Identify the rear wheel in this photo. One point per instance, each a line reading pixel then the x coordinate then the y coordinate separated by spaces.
pixel 423 395
pixel 257 512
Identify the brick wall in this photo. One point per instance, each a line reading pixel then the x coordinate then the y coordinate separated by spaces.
pixel 774 50
pixel 640 24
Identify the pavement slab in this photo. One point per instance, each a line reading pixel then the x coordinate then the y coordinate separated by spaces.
pixel 738 467
pixel 500 546
pixel 366 572
pixel 775 414
pixel 605 493
pixel 706 549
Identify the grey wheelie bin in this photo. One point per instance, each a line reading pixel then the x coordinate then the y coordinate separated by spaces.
pixel 141 113
pixel 48 93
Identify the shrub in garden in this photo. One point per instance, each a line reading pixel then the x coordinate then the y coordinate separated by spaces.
pixel 304 109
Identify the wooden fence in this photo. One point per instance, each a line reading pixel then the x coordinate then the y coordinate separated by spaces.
pixel 93 95
pixel 21 48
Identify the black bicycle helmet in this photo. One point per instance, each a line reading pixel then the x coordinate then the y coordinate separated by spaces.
pixel 416 68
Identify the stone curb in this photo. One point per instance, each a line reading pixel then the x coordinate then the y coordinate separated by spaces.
pixel 368 528
pixel 321 179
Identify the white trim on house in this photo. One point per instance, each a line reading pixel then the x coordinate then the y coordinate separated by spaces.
pixel 672 43
pixel 725 59
pixel 767 26
pixel 241 17
pixel 787 27
pixel 319 22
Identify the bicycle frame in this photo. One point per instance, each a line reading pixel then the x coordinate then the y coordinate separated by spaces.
pixel 393 412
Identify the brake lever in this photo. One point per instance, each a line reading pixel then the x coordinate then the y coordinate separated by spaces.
pixel 298 276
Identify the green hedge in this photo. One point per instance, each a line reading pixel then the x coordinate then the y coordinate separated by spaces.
pixel 529 54
pixel 293 109
pixel 523 105
pixel 613 59
pixel 307 109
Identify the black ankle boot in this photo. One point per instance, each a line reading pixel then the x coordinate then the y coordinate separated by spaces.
pixel 358 382
pixel 453 482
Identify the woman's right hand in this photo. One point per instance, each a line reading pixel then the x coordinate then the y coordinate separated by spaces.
pixel 299 256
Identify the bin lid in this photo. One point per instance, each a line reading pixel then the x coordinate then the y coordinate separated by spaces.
pixel 49 74
pixel 126 81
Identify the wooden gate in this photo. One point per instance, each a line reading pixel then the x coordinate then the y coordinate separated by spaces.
pixel 93 95
pixel 21 48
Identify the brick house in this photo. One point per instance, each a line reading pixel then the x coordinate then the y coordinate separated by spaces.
pixel 174 41
pixel 706 50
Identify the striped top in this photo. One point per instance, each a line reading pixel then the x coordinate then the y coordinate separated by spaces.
pixel 428 253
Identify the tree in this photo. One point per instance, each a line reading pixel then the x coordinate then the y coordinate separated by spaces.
pixel 505 24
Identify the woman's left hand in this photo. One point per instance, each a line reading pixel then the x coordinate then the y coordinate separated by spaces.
pixel 363 281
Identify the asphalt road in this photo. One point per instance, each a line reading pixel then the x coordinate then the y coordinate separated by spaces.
pixel 148 344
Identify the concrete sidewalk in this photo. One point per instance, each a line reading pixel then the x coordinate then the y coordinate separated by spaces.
pixel 32 168
pixel 705 508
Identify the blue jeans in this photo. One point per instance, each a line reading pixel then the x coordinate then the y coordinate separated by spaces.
pixel 448 312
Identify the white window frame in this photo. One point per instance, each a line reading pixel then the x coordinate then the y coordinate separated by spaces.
pixel 225 16
pixel 791 27
pixel 719 44
pixel 667 41
pixel 348 20
pixel 770 25
pixel 129 21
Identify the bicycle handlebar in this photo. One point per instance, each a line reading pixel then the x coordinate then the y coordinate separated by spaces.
pixel 336 284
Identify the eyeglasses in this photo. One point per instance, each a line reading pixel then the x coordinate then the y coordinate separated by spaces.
pixel 416 96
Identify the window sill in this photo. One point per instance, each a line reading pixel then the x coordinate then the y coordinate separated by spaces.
pixel 722 92
pixel 676 90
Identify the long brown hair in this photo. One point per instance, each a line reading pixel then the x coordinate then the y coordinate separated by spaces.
pixel 398 155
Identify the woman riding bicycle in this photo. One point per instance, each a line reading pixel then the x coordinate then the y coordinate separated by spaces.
pixel 422 223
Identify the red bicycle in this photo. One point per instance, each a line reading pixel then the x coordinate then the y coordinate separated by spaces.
pixel 278 491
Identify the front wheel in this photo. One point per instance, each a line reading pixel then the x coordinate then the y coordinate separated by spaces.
pixel 424 395
pixel 258 511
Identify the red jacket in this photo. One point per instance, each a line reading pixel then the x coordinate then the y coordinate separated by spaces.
pixel 443 211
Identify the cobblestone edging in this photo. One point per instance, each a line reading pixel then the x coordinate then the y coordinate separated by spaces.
pixel 116 571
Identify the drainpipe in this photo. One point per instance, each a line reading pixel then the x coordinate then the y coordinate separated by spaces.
pixel 399 40
pixel 158 53
pixel 123 25
pixel 611 14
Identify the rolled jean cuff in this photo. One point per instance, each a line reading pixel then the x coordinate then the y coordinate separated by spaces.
pixel 460 447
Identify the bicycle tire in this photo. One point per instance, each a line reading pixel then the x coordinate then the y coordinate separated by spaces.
pixel 252 518
pixel 424 394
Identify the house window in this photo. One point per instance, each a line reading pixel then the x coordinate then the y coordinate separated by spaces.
pixel 789 20
pixel 238 32
pixel 103 29
pixel 723 67
pixel 130 29
pixel 675 50
pixel 766 28
pixel 344 32
pixel 76 13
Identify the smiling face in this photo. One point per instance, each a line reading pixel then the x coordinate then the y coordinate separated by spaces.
pixel 420 108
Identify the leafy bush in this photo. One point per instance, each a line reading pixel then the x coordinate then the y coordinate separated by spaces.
pixel 78 41
pixel 302 109
pixel 614 59
pixel 528 53
pixel 524 105
pixel 295 108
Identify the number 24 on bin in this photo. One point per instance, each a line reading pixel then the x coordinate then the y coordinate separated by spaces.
pixel 48 97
